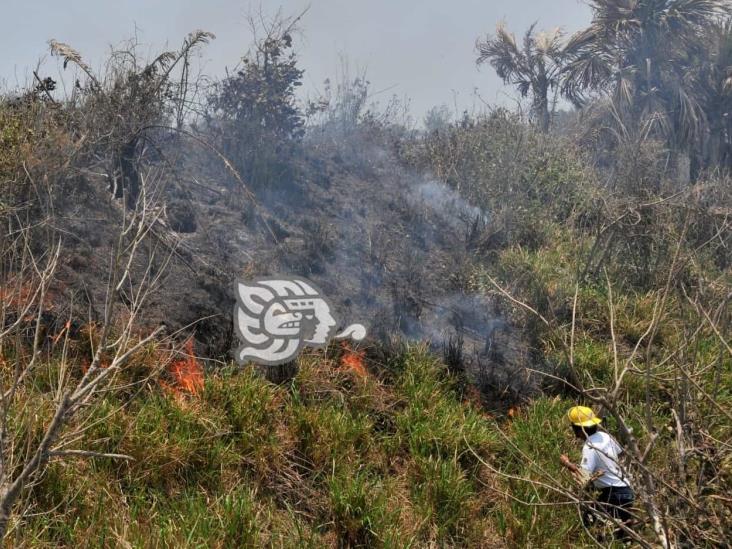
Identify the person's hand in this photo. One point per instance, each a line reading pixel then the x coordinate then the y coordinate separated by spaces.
pixel 569 465
pixel 597 474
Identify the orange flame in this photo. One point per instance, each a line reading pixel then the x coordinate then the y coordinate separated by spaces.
pixel 187 373
pixel 353 361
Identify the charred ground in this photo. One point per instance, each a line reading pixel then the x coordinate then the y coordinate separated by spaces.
pixel 391 247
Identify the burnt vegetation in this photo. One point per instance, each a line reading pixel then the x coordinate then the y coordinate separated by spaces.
pixel 508 264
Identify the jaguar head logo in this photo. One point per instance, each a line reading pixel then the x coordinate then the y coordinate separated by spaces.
pixel 275 318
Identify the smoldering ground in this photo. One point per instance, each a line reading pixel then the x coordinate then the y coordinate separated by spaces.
pixel 392 249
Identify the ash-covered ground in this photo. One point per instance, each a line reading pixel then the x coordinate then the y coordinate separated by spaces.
pixel 392 249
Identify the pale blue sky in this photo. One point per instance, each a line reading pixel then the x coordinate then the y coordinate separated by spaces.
pixel 420 49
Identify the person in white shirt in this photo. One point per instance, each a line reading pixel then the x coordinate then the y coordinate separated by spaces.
pixel 600 463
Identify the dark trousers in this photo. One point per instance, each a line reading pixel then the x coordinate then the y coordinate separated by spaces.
pixel 615 502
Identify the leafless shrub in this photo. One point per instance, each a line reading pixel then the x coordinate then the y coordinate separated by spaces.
pixel 28 343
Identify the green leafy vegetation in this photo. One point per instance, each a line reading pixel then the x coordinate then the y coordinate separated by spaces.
pixel 251 462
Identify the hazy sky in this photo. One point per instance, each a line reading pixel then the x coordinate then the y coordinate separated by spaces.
pixel 422 49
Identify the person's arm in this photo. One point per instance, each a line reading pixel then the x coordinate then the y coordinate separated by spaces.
pixel 618 449
pixel 587 471
pixel 567 463
pixel 579 475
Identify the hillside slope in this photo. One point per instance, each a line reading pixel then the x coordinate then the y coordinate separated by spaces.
pixel 391 249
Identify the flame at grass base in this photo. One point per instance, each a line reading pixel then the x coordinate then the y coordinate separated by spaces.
pixel 354 361
pixel 186 373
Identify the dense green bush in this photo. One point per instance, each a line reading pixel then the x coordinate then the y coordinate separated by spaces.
pixel 254 114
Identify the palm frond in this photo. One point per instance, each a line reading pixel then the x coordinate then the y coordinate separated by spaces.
pixel 625 89
pixel 727 81
pixel 691 119
pixel 505 36
pixel 523 86
pixel 199 38
pixel 529 41
pixel 164 60
pixel 680 13
pixel 581 41
pixel 502 53
pixel 655 122
pixel 169 59
pixel 616 17
pixel 549 43
pixel 585 73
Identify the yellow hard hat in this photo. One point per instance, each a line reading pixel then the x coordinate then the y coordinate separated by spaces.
pixel 582 416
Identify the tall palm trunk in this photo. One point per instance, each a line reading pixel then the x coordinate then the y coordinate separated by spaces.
pixel 541 106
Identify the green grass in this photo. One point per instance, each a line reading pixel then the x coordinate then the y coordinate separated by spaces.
pixel 540 431
pixel 358 506
pixel 332 460
pixel 328 460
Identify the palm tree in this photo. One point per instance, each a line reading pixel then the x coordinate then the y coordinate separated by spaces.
pixel 715 78
pixel 534 67
pixel 644 53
